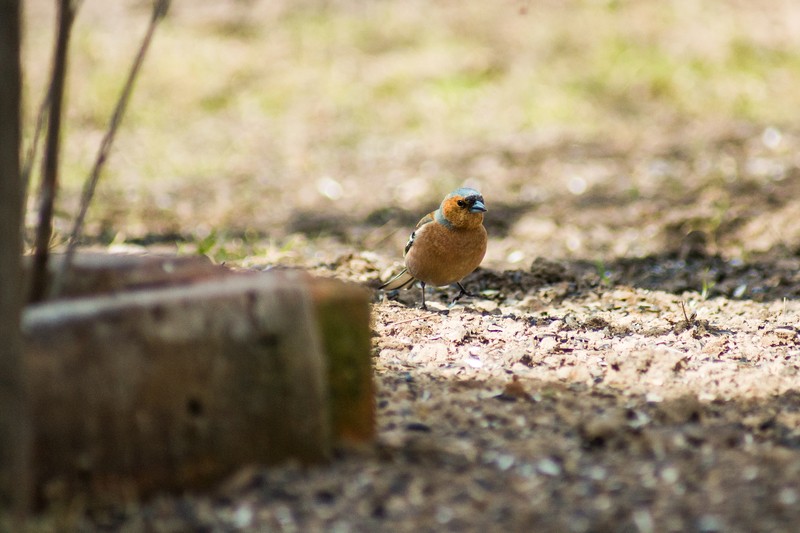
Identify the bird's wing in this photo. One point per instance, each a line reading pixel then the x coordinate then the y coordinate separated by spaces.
pixel 427 219
pixel 403 280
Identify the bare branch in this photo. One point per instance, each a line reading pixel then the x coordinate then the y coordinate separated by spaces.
pixel 49 187
pixel 33 149
pixel 160 8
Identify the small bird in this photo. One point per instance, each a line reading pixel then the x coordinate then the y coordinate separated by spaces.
pixel 446 245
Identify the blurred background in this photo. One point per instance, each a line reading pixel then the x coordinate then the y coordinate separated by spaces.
pixel 270 131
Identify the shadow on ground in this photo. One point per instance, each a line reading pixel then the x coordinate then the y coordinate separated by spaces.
pixel 773 276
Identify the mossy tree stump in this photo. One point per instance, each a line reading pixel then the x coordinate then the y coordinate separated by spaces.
pixel 179 372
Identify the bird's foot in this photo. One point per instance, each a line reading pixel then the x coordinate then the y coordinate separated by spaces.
pixel 436 309
pixel 462 293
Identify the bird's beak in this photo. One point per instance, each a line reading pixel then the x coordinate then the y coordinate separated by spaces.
pixel 477 207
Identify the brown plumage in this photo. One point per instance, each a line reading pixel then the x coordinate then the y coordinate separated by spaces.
pixel 446 245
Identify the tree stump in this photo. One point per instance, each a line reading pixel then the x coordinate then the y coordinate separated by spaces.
pixel 174 387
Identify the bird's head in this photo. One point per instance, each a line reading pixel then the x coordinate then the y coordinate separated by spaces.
pixel 463 208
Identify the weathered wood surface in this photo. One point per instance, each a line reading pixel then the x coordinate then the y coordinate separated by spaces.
pixel 97 273
pixel 176 387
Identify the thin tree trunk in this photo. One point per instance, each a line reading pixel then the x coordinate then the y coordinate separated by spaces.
pixel 13 427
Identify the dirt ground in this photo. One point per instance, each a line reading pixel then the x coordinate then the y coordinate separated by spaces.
pixel 630 360
pixel 651 392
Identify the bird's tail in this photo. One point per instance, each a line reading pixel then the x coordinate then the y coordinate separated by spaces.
pixel 403 280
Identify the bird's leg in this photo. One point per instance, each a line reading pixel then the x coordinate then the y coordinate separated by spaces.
pixel 425 307
pixel 464 292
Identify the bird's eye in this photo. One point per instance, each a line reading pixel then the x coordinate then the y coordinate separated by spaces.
pixel 462 203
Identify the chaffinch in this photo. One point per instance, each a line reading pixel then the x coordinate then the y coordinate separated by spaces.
pixel 446 245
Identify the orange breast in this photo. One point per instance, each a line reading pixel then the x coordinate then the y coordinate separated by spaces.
pixel 442 256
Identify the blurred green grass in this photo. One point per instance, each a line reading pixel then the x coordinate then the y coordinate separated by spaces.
pixel 244 104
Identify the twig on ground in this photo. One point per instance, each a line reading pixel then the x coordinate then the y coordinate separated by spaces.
pixel 406 321
pixel 685 316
